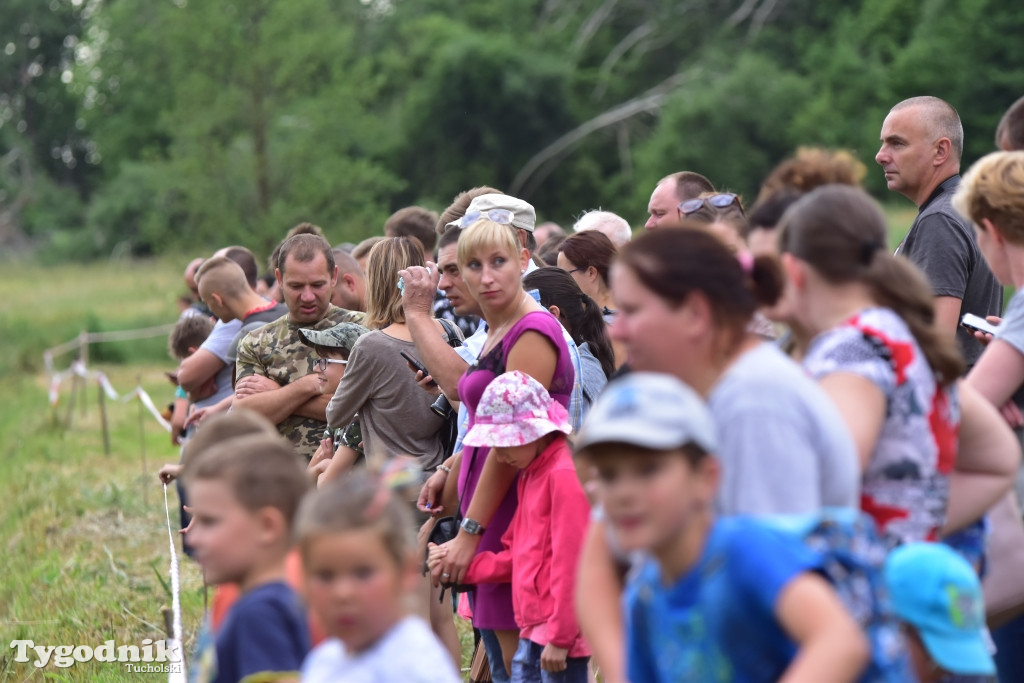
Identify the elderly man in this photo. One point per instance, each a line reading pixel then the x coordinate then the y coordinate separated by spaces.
pixel 275 368
pixel 922 140
pixel 611 225
pixel 670 192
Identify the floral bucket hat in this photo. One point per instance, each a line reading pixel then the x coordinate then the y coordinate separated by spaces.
pixel 515 410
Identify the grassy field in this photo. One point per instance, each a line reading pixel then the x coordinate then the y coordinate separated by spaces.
pixel 84 538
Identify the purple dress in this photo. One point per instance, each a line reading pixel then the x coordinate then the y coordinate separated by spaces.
pixel 492 605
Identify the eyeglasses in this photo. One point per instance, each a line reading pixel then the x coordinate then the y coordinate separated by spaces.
pixel 320 364
pixel 575 270
pixel 501 216
pixel 719 201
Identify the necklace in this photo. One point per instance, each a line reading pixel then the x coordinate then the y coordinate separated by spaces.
pixel 499 332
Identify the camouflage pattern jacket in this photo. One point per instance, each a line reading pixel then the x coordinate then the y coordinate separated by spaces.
pixel 277 351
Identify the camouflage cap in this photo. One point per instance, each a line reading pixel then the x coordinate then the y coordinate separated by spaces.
pixel 342 335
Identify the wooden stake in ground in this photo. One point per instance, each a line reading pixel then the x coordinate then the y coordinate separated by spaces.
pixel 142 444
pixel 103 420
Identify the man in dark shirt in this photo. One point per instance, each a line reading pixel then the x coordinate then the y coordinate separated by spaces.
pixel 922 141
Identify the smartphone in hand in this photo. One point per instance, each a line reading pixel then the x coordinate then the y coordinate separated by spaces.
pixel 416 365
pixel 976 323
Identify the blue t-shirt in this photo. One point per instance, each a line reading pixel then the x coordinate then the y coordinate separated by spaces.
pixel 717 622
pixel 265 631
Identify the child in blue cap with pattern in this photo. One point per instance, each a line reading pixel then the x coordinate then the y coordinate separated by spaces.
pixel 936 594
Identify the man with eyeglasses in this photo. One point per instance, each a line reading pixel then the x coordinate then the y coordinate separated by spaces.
pixel 669 193
pixel 275 368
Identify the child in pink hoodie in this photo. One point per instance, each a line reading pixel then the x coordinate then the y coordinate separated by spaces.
pixel 526 429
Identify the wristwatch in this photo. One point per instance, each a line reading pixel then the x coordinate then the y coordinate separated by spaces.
pixel 471 526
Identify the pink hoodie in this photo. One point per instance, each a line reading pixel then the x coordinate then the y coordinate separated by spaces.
pixel 545 538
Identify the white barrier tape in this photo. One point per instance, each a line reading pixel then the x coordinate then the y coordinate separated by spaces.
pixel 107 388
pixel 148 402
pixel 177 674
pixel 78 368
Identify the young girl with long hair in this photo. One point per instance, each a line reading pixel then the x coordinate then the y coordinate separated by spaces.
pixel 934 455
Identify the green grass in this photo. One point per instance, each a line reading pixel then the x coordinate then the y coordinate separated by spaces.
pixel 83 533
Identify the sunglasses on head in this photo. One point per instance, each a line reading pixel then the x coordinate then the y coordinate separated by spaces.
pixel 719 201
pixel 500 216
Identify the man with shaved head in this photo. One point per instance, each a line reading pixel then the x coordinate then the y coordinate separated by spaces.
pixel 224 287
pixel 922 142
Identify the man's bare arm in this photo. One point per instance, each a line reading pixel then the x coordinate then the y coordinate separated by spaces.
pixel 278 404
pixel 947 313
pixel 197 369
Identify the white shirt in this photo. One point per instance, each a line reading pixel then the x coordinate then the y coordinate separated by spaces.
pixel 409 652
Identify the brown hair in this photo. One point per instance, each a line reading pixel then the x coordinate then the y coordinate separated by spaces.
pixel 303 248
pixel 993 188
pixel 413 221
pixel 223 276
pixel 590 248
pixel 383 298
pixel 812 167
pixel 246 260
pixel 676 263
pixel 732 215
pixel 357 501
pixel 1011 127
pixel 262 470
pixel 225 426
pixel 190 331
pixel 457 209
pixel 363 248
pixel 841 233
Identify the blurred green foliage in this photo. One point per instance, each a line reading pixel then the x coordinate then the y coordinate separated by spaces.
pixel 140 128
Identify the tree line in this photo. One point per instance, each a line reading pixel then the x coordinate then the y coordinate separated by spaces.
pixel 144 126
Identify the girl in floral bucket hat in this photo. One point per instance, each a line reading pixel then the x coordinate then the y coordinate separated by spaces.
pixel 526 428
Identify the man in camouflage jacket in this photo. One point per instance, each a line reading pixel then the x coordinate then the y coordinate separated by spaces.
pixel 274 370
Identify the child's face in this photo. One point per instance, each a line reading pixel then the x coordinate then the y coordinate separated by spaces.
pixel 516 456
pixel 354 586
pixel 651 497
pixel 225 535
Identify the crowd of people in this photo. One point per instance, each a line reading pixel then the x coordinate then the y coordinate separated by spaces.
pixel 741 444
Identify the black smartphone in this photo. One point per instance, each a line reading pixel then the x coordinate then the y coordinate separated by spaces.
pixel 416 365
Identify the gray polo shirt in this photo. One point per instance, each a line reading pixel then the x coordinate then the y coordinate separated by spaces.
pixel 941 243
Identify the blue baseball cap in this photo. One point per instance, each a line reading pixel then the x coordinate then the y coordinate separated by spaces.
pixel 936 591
pixel 650 410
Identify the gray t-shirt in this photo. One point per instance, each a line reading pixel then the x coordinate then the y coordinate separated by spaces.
pixel 942 244
pixel 1011 329
pixel 783 445
pixel 219 343
pixel 394 413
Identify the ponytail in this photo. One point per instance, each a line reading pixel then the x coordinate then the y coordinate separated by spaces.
pixel 895 283
pixel 841 233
